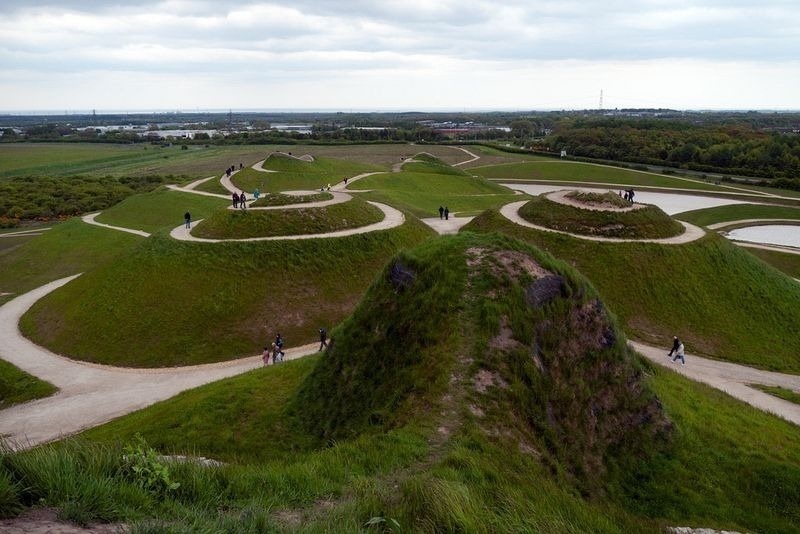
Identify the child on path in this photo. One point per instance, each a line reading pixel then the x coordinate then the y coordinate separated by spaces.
pixel 265 356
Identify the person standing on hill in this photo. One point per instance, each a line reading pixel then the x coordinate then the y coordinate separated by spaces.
pixel 441 212
pixel 323 338
pixel 188 218
pixel 235 200
pixel 675 344
pixel 446 213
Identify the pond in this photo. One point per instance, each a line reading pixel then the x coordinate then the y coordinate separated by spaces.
pixel 772 234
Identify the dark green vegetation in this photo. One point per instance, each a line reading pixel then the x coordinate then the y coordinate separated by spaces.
pixel 40 197
pixel 241 224
pixel 160 210
pixel 736 212
pixel 568 172
pixel 735 149
pixel 69 248
pixel 717 297
pixel 781 393
pixel 644 223
pixel 599 199
pixel 18 386
pixel 177 303
pixel 431 184
pixel 295 174
pixel 453 399
pixel 279 199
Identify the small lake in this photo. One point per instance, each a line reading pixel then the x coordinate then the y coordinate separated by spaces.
pixel 773 234
pixel 670 203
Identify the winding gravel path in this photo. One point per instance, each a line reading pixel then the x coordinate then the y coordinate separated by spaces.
pixel 89 219
pixel 338 198
pixel 733 379
pixel 691 233
pixel 474 157
pixel 753 222
pixel 91 394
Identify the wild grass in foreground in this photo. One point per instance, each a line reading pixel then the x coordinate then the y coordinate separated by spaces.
pixel 645 223
pixel 17 386
pixel 719 299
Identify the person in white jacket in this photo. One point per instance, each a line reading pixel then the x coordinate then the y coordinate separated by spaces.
pixel 679 354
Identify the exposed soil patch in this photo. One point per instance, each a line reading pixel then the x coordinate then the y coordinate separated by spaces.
pixel 45 521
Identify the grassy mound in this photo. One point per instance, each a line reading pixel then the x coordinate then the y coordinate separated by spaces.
pixel 487 332
pixel 645 223
pixel 159 210
pixel 166 302
pixel 17 386
pixel 423 192
pixel 240 224
pixel 428 164
pixel 294 174
pixel 279 199
pixel 718 298
pixel 736 212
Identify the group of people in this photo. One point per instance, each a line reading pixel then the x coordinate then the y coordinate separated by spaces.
pixel 628 195
pixel 274 351
pixel 239 201
pixel 444 213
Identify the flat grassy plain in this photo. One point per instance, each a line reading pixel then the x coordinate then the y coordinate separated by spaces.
pixel 719 299
pixel 17 386
pixel 240 224
pixel 160 210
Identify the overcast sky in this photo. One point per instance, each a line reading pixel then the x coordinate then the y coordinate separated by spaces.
pixel 398 54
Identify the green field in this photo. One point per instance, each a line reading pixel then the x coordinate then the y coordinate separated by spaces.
pixel 645 223
pixel 563 171
pixel 160 210
pixel 241 224
pixel 788 263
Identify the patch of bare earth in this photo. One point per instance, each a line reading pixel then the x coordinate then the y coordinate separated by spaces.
pixel 45 521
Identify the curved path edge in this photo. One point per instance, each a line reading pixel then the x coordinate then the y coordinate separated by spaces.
pixel 89 219
pixel 691 233
pixel 733 379
pixel 91 394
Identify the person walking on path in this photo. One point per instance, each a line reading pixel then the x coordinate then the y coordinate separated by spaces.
pixel 323 338
pixel 188 218
pixel 235 200
pixel 446 213
pixel 675 344
pixel 679 354
pixel 256 193
pixel 243 201
pixel 441 213
pixel 279 344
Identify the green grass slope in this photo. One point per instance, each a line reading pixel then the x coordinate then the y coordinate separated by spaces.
pixel 159 210
pixel 166 302
pixel 294 174
pixel 423 192
pixel 278 199
pixel 240 224
pixel 67 249
pixel 785 262
pixel 645 223
pixel 735 212
pixel 719 299
pixel 17 386
pixel 564 171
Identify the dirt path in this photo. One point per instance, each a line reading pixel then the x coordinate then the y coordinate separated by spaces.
pixel 691 233
pixel 449 226
pixel 338 198
pixel 733 379
pixel 392 219
pixel 474 157
pixel 25 233
pixel 91 394
pixel 774 248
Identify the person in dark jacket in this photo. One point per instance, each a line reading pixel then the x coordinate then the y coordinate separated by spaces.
pixel 675 344
pixel 441 212
pixel 188 218
pixel 323 338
